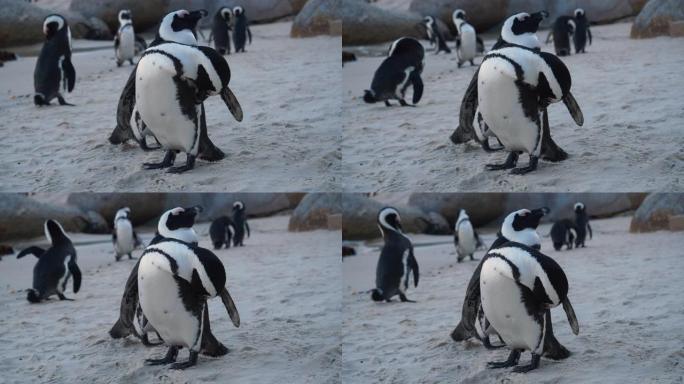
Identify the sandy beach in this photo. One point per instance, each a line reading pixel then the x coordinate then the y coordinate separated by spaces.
pixel 289 90
pixel 630 92
pixel 286 287
pixel 625 288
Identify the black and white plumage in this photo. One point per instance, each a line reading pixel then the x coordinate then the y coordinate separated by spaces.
pixel 125 41
pixel 563 233
pixel 221 232
pixel 239 223
pixel 54 69
pixel 396 263
pixel 173 80
pixel 466 38
pixel 466 238
pixel 435 35
pixel 221 25
pixel 518 286
pixel 55 265
pixel 402 68
pixel 582 225
pixel 175 279
pixel 563 28
pixel 124 238
pixel 582 31
pixel 241 31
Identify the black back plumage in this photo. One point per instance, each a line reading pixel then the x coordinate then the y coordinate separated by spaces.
pixel 54 67
pixel 240 225
pixel 561 234
pixel 241 32
pixel 582 32
pixel 562 29
pixel 391 268
pixel 220 232
pixel 405 53
pixel 220 31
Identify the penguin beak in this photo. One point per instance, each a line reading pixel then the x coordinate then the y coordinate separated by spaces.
pixel 537 214
pixel 232 103
pixel 198 14
pixel 539 16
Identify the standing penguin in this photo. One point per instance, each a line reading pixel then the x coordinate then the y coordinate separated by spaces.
pixel 466 42
pixel 401 69
pixel 465 237
pixel 562 234
pixel 124 238
pixel 55 265
pixel 222 23
pixel 241 30
pixel 518 286
pixel 396 262
pixel 515 86
pixel 124 41
pixel 54 67
pixel 175 279
pixel 434 34
pixel 221 232
pixel 563 28
pixel 582 31
pixel 173 80
pixel 581 224
pixel 239 223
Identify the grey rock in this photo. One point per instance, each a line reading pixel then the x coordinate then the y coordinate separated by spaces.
pixel 653 214
pixel 654 20
pixel 314 211
pixel 23 217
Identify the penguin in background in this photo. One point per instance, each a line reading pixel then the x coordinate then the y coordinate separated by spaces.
pixel 54 69
pixel 124 41
pixel 563 28
pixel 466 238
pixel 402 68
pixel 397 262
pixel 221 232
pixel 124 238
pixel 220 30
pixel 55 265
pixel 435 36
pixel 581 225
pixel 241 31
pixel 239 223
pixel 466 38
pixel 582 31
pixel 562 234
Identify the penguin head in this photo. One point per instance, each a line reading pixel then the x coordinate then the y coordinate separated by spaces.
pixel 459 14
pixel 122 213
pixel 428 20
pixel 238 206
pixel 369 96
pixel 388 218
pixel 579 13
pixel 238 11
pixel 521 226
pixel 226 13
pixel 54 232
pixel 177 223
pixel 579 207
pixel 125 16
pixel 53 24
pixel 179 26
pixel 521 29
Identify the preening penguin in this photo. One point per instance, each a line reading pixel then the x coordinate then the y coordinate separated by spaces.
pixel 175 279
pixel 582 31
pixel 402 68
pixel 54 66
pixel 124 41
pixel 239 223
pixel 124 238
pixel 435 36
pixel 466 40
pixel 221 25
pixel 563 28
pixel 562 234
pixel 465 237
pixel 241 30
pixel 581 224
pixel 221 232
pixel 55 265
pixel 397 262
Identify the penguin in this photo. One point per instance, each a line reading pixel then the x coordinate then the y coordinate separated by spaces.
pixel 581 225
pixel 173 81
pixel 241 29
pixel 396 262
pixel 175 279
pixel 221 232
pixel 402 68
pixel 54 66
pixel 562 234
pixel 582 31
pixel 465 237
pixel 222 24
pixel 515 86
pixel 518 286
pixel 435 35
pixel 124 41
pixel 124 238
pixel 179 27
pixel 55 265
pixel 466 42
pixel 563 28
pixel 239 223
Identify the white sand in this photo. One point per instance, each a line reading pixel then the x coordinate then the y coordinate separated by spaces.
pixel 289 90
pixel 286 287
pixel 626 290
pixel 630 91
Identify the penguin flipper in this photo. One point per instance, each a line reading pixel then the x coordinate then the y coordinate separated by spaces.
pixel 232 103
pixel 76 272
pixel 414 267
pixel 116 42
pixel 69 74
pixel 573 108
pixel 230 307
pixel 124 111
pixel 417 86
pixel 129 304
pixel 36 251
pixel 465 131
pixel 572 318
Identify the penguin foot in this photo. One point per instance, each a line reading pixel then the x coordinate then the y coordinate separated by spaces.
pixel 510 162
pixel 189 164
pixel 169 158
pixel 387 103
pixel 186 364
pixel 404 299
pixel 170 357
pixel 526 368
pixel 511 361
pixel 530 167
pixel 405 104
pixel 61 101
pixel 62 297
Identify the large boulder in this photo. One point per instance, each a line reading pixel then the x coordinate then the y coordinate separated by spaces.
pixel 655 212
pixel 23 217
pixel 481 14
pixel 256 10
pixel 315 211
pixel 654 20
pixel 482 208
pixel 146 13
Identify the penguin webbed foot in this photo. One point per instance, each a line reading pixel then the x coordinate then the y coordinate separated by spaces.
pixel 534 160
pixel 62 297
pixel 189 164
pixel 186 364
pixel 387 103
pixel 170 357
pixel 405 104
pixel 169 158
pixel 510 162
pixel 534 364
pixel 404 299
pixel 511 361
pixel 61 101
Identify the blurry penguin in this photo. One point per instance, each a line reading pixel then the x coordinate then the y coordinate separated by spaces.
pixel 54 67
pixel 241 31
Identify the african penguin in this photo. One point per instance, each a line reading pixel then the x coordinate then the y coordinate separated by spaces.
pixel 221 232
pixel 518 286
pixel 173 81
pixel 175 279
pixel 401 69
pixel 581 224
pixel 124 238
pixel 396 262
pixel 562 234
pixel 241 31
pixel 515 86
pixel 124 41
pixel 55 265
pixel 54 67
pixel 435 36
pixel 466 42
pixel 222 24
pixel 465 237
pixel 240 225
pixel 563 28
pixel 582 31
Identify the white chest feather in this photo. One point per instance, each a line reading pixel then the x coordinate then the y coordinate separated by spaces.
pixel 125 243
pixel 126 49
pixel 468 48
pixel 466 238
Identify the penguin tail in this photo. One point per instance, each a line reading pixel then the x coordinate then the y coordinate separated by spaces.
pixel 368 97
pixel 33 296
pixel 376 295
